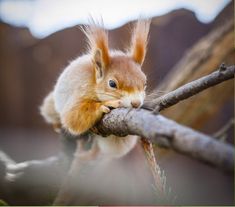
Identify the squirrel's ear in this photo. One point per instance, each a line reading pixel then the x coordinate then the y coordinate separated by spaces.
pixel 97 41
pixel 99 65
pixel 139 40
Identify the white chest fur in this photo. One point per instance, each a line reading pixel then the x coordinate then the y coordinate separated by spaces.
pixel 115 147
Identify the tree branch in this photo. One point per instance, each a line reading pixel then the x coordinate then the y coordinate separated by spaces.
pixel 192 88
pixel 169 134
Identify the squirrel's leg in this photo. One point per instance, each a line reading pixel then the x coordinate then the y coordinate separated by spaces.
pixel 47 110
pixel 85 114
pixel 106 109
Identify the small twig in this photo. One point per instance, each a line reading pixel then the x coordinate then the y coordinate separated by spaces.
pixel 222 67
pixel 155 168
pixel 192 88
pixel 221 134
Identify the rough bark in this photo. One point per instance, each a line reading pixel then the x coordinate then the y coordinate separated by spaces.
pixel 168 133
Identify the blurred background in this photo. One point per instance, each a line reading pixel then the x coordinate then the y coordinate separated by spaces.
pixel 188 39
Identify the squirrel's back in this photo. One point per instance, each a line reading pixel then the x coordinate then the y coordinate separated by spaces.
pixel 75 81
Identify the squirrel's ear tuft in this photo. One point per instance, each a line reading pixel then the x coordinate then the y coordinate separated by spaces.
pixel 97 41
pixel 139 40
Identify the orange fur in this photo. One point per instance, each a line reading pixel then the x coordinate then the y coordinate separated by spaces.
pixel 128 74
pixel 97 39
pixel 47 110
pixel 139 41
pixel 82 116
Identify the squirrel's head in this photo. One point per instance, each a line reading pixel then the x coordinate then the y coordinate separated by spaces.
pixel 118 75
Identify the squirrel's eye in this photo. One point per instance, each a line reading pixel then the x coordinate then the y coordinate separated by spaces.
pixel 112 84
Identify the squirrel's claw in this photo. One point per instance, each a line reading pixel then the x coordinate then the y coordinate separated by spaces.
pixel 105 109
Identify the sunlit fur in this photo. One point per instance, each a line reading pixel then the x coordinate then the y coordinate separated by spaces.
pixel 139 40
pixel 115 147
pixel 97 38
pixel 129 78
pixel 80 100
pixel 47 110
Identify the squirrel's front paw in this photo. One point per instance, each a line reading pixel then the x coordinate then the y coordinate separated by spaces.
pixel 108 105
pixel 113 104
pixel 105 109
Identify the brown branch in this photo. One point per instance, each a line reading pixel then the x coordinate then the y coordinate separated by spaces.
pixel 169 134
pixel 192 88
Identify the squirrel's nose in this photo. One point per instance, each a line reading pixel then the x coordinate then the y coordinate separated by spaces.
pixel 135 103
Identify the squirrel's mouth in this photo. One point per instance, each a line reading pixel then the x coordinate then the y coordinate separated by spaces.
pixel 111 108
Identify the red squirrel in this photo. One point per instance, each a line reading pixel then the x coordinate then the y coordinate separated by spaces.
pixel 97 81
